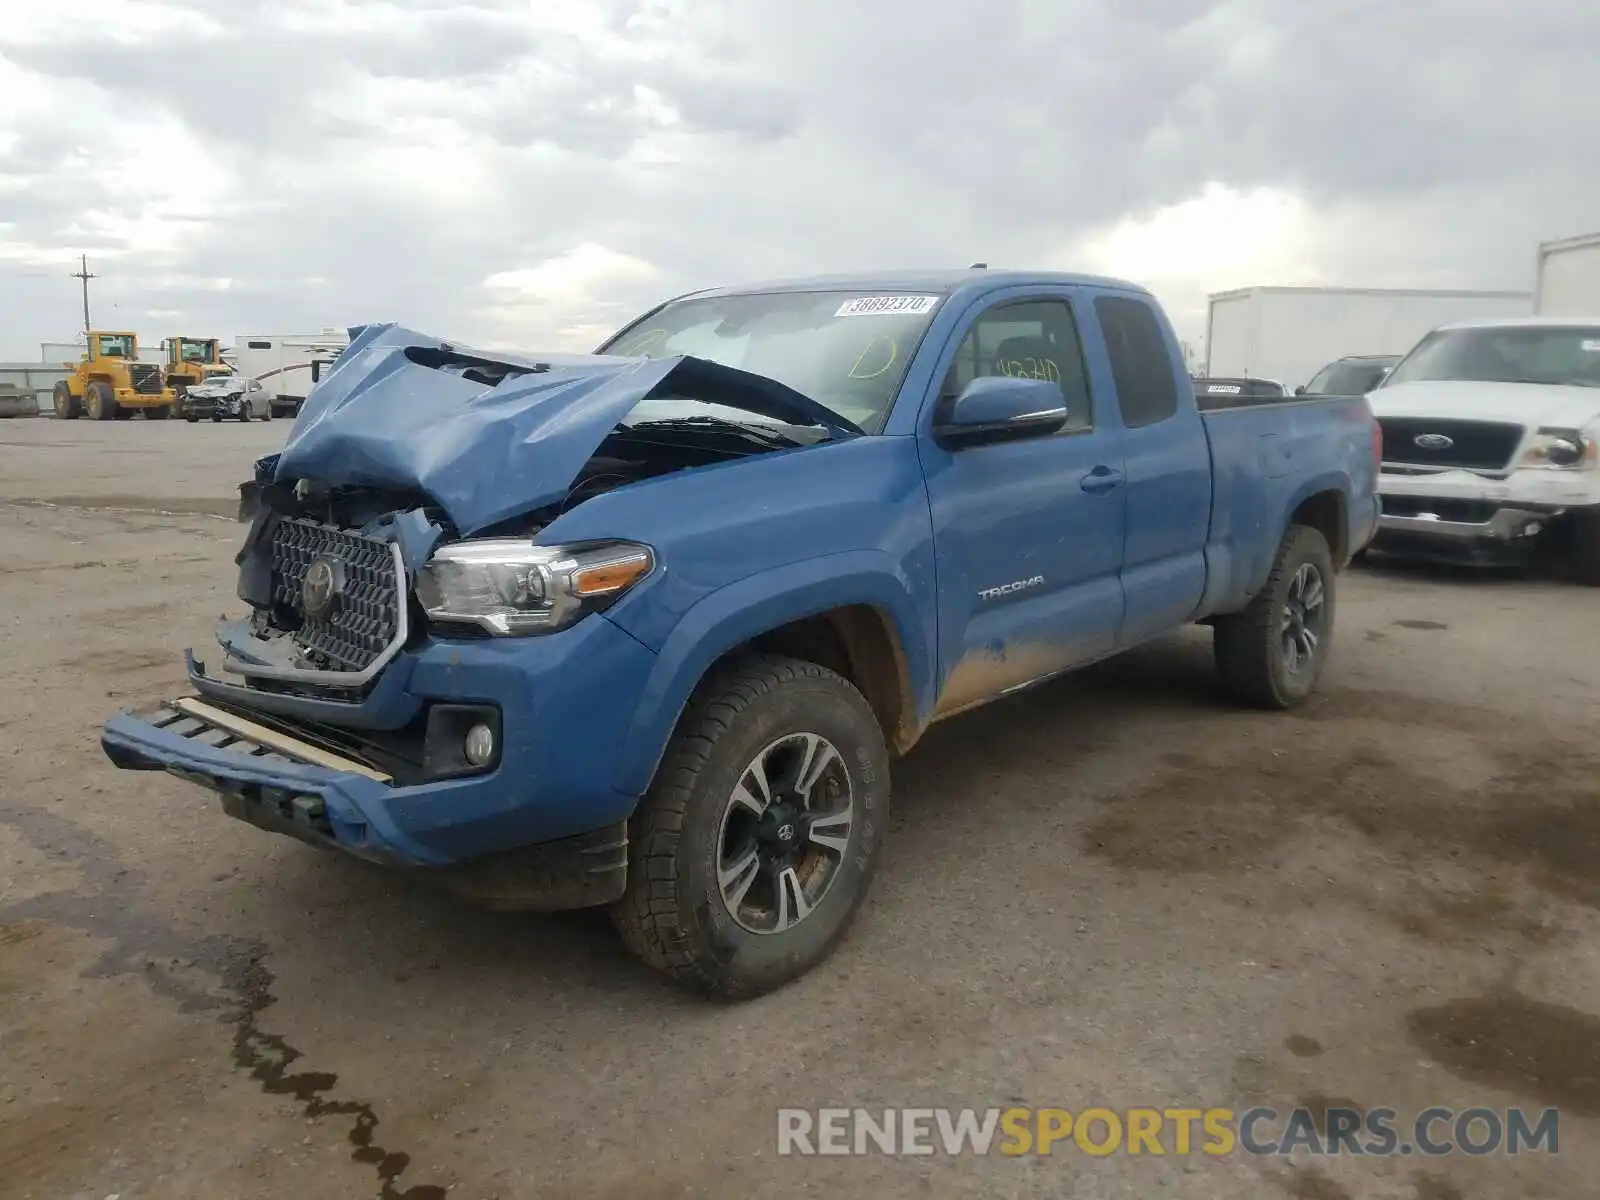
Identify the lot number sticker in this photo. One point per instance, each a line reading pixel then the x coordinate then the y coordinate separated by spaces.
pixel 878 306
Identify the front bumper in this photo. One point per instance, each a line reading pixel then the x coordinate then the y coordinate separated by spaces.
pixel 540 829
pixel 1507 524
pixel 211 406
pixel 1464 516
pixel 128 398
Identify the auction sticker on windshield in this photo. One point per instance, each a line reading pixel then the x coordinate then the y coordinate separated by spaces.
pixel 877 306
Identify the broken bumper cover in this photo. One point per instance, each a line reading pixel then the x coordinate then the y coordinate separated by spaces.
pixel 542 829
pixel 1469 531
pixel 212 406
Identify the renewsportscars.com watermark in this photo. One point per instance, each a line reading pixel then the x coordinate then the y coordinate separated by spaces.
pixel 1165 1131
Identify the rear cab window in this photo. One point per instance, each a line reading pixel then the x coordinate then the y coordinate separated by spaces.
pixel 1141 364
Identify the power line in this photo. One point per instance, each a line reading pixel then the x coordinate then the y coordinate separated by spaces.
pixel 85 275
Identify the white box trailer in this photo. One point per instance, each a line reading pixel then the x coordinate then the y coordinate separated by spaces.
pixel 60 352
pixel 1290 333
pixel 1568 278
pixel 287 364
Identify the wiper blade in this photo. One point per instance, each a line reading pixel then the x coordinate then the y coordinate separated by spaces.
pixel 758 432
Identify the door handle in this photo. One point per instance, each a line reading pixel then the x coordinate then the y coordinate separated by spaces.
pixel 1100 480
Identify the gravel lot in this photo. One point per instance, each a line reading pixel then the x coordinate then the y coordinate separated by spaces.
pixel 1113 891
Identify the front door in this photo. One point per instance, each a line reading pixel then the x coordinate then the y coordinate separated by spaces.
pixel 1028 535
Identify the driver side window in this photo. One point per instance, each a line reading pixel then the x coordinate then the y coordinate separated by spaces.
pixel 1031 339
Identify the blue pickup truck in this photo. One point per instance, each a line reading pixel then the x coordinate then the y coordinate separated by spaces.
pixel 645 628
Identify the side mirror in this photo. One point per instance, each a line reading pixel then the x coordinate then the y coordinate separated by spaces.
pixel 998 408
pixel 1301 390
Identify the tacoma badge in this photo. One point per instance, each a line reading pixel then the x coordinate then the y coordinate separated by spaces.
pixel 1006 589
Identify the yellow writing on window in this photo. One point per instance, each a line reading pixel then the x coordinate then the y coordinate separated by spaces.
pixel 876 357
pixel 1029 368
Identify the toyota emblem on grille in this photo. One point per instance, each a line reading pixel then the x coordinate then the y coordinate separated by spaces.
pixel 320 589
pixel 1433 441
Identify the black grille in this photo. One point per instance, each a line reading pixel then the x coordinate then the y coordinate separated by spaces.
pixel 145 378
pixel 363 617
pixel 1475 445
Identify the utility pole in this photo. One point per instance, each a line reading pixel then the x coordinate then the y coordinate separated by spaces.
pixel 84 274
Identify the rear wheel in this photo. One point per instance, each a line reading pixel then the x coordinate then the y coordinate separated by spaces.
pixel 100 403
pixel 1272 654
pixel 159 413
pixel 68 407
pixel 759 838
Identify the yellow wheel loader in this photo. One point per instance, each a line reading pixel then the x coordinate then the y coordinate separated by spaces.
pixel 192 360
pixel 109 383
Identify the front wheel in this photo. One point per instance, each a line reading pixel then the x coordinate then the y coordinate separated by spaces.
pixel 102 405
pixel 1586 546
pixel 759 838
pixel 1272 654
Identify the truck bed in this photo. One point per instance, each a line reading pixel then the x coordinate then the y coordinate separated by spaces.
pixel 1268 459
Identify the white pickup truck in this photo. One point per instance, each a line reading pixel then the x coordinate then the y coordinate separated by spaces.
pixel 1491 444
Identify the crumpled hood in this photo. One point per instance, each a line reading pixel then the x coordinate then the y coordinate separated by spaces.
pixel 1531 404
pixel 395 412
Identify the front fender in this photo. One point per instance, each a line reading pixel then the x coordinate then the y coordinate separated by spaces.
pixel 756 604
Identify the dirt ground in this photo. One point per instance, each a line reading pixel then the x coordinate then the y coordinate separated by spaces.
pixel 1113 891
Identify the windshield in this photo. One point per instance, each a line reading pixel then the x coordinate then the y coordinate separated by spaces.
pixel 1552 354
pixel 1347 378
pixel 116 345
pixel 845 350
pixel 195 351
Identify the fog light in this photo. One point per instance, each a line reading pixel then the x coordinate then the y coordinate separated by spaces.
pixel 479 746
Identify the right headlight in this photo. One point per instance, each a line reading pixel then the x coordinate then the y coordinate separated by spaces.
pixel 1560 448
pixel 513 588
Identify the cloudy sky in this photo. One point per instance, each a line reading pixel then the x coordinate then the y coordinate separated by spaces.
pixel 528 173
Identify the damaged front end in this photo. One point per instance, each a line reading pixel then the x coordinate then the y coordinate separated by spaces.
pixel 398 589
pixel 411 443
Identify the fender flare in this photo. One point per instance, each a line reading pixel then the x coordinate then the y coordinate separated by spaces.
pixel 1329 481
pixel 734 614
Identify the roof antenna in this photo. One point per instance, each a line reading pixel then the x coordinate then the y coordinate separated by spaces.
pixel 978 267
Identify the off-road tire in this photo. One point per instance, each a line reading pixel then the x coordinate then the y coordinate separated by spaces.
pixel 673 915
pixel 1248 645
pixel 99 402
pixel 68 407
pixel 1585 552
pixel 160 413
